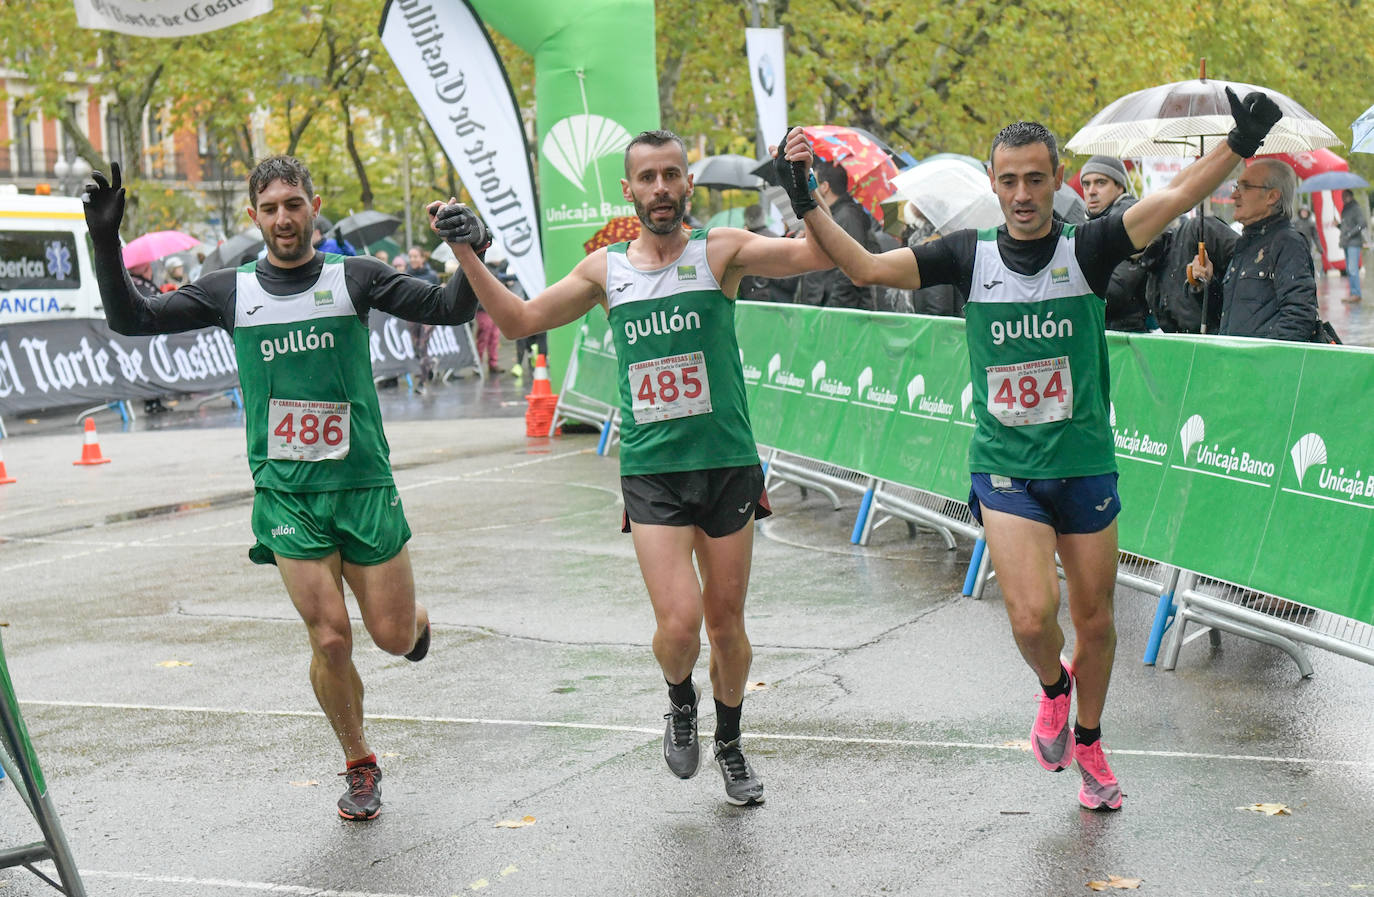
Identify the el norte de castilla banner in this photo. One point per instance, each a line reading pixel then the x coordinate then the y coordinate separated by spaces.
pixel 166 18
pixel 596 86
pixel 60 364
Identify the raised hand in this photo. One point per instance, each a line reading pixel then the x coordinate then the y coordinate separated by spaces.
pixel 456 223
pixel 104 206
pixel 1255 116
pixel 793 176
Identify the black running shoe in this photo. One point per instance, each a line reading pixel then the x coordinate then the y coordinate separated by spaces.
pixel 681 748
pixel 363 799
pixel 421 648
pixel 742 787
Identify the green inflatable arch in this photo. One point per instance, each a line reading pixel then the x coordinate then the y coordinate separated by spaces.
pixel 595 87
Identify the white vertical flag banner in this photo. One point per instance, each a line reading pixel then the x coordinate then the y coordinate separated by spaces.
pixel 450 65
pixel 166 18
pixel 768 74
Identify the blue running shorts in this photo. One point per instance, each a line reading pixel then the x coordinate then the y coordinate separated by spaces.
pixel 1072 505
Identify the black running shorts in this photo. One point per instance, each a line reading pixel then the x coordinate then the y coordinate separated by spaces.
pixel 719 501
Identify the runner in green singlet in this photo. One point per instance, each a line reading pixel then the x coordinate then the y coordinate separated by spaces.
pixel 689 466
pixel 326 510
pixel 1042 457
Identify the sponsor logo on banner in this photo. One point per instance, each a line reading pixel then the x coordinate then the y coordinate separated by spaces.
pixel 1213 460
pixel 1134 445
pixel 823 387
pixel 574 146
pixel 752 375
pixel 966 406
pixel 876 397
pixel 919 404
pixel 603 344
pixel 1341 484
pixel 782 379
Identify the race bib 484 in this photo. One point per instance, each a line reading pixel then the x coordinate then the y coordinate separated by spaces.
pixel 1031 392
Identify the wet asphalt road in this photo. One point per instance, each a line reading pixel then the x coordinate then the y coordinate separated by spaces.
pixel 163 678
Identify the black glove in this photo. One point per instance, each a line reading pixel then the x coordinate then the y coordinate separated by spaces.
pixel 1254 116
pixel 457 223
pixel 792 177
pixel 104 202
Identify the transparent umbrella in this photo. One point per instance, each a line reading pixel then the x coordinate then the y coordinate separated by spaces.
pixel 1363 132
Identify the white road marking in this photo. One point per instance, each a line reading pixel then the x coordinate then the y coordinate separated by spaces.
pixel 642 730
pixel 258 886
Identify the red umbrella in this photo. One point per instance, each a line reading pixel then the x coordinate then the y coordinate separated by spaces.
pixel 156 245
pixel 617 230
pixel 865 162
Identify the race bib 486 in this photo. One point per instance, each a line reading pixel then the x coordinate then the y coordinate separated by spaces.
pixel 1031 392
pixel 307 431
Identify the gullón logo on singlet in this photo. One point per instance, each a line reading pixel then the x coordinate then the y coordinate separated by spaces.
pixel 686 272
pixel 1031 326
pixel 1213 461
pixel 661 323
pixel 870 396
pixel 823 387
pixel 1059 275
pixel 324 297
pixel 782 379
pixel 1333 485
pixel 1134 445
pixel 920 404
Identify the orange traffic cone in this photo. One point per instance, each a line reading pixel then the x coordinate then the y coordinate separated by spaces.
pixel 541 385
pixel 4 477
pixel 90 450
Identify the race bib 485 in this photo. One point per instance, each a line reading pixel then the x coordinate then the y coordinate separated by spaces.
pixel 670 387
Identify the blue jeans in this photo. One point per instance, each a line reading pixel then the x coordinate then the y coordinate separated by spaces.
pixel 1352 268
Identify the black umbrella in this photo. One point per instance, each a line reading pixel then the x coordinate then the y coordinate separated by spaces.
pixel 235 251
pixel 365 227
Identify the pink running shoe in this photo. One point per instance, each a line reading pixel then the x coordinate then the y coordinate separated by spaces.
pixel 1100 791
pixel 1052 735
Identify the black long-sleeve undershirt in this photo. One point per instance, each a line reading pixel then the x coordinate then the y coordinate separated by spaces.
pixel 211 299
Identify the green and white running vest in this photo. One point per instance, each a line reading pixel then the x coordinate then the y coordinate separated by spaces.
pixel 682 401
pixel 1038 359
pixel 313 420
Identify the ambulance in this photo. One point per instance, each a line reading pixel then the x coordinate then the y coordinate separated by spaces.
pixel 46 270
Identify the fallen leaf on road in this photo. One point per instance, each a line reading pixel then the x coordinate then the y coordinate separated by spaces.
pixel 389 754
pixel 756 686
pixel 1116 881
pixel 308 783
pixel 508 870
pixel 1268 809
pixel 478 885
pixel 174 663
pixel 1020 745
pixel 516 823
pixel 3 623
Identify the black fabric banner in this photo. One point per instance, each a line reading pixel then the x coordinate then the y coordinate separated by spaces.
pixel 56 364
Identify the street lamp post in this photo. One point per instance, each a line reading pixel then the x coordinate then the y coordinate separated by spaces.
pixel 72 172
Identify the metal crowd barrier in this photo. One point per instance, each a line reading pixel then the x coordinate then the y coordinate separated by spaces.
pixel 20 763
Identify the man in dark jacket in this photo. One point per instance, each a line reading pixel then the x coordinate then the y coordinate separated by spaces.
pixel 1105 189
pixel 1353 223
pixel 1269 289
pixel 832 288
pixel 1177 302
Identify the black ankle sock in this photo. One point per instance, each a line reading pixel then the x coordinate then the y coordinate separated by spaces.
pixel 727 722
pixel 1059 688
pixel 682 693
pixel 1086 736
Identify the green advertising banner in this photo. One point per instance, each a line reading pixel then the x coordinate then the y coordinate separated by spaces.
pixel 595 87
pixel 1239 459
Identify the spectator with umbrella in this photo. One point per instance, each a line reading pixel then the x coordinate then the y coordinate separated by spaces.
pixel 329 243
pixel 1107 189
pixel 833 288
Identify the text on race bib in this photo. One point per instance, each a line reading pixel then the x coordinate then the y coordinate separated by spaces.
pixel 307 431
pixel 1031 392
pixel 671 387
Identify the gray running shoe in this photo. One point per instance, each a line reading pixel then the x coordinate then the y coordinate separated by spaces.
pixel 363 799
pixel 742 787
pixel 681 747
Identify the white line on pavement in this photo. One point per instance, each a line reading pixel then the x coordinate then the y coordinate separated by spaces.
pixel 260 886
pixel 753 735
